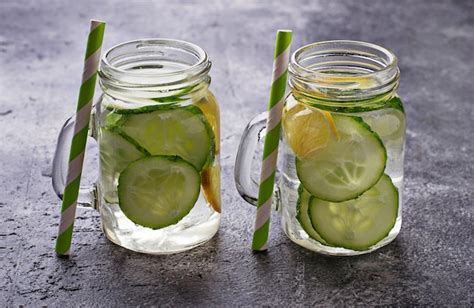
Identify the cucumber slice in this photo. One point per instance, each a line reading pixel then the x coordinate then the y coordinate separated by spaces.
pixel 396 103
pixel 158 191
pixel 164 102
pixel 347 166
pixel 303 217
pixel 128 108
pixel 123 107
pixel 360 223
pixel 355 106
pixel 112 120
pixel 183 131
pixel 116 152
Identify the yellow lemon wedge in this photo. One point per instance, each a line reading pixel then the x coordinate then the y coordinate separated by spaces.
pixel 211 186
pixel 306 128
pixel 211 176
pixel 332 125
pixel 210 109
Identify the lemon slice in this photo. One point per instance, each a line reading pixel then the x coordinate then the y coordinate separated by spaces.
pixel 211 186
pixel 210 109
pixel 211 176
pixel 307 129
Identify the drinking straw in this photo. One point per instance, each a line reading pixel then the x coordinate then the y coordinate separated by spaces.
pixel 272 139
pixel 78 144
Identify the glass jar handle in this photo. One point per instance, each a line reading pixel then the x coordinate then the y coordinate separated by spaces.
pixel 248 162
pixel 87 194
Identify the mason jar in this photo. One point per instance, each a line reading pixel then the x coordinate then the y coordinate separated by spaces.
pixel 157 128
pixel 340 182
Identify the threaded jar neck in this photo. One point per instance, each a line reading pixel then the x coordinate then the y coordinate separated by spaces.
pixel 153 68
pixel 343 71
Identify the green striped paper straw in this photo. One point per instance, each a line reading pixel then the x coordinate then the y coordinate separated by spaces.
pixel 272 139
pixel 78 145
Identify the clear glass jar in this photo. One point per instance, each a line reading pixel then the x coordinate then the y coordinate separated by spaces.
pixel 342 149
pixel 157 126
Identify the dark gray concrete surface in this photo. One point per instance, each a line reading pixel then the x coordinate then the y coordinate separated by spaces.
pixel 431 262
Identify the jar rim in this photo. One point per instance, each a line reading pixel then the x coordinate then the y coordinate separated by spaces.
pixel 297 56
pixel 112 69
pixel 343 70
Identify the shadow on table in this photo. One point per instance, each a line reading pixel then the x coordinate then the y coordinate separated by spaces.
pixel 131 277
pixel 194 276
pixel 383 276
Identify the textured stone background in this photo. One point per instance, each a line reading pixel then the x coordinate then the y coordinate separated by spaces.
pixel 431 262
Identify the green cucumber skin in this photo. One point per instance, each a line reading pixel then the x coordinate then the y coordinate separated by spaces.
pixel 164 102
pixel 112 120
pixel 171 99
pixel 394 102
pixel 379 140
pixel 355 248
pixel 385 157
pixel 132 144
pixel 212 137
pixel 299 216
pixel 177 97
pixel 171 158
pixel 132 141
pixel 190 108
pixel 298 203
pixel 146 109
pixel 382 145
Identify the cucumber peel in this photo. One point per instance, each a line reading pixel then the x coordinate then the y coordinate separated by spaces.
pixel 173 131
pixel 158 191
pixel 347 166
pixel 360 223
pixel 303 216
pixel 116 151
